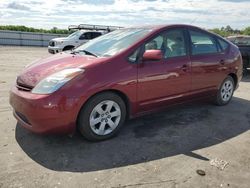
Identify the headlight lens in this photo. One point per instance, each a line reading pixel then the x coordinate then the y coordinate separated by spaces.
pixel 58 43
pixel 53 82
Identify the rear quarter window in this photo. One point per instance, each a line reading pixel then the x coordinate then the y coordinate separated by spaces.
pixel 223 44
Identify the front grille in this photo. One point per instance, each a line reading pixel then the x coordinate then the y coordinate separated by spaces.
pixel 22 117
pixel 23 87
pixel 51 43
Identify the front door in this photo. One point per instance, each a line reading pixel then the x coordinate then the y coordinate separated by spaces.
pixel 168 79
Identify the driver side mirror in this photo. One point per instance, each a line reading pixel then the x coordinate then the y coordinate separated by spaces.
pixel 152 55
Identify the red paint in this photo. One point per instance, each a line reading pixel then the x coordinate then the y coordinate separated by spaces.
pixel 148 85
pixel 152 55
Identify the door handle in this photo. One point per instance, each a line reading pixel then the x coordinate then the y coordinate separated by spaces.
pixel 222 62
pixel 184 67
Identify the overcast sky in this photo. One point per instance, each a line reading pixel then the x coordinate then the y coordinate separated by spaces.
pixel 61 13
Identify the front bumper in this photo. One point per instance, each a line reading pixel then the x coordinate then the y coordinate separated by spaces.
pixel 54 49
pixel 44 114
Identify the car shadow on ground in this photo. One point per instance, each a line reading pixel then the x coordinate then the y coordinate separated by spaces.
pixel 179 130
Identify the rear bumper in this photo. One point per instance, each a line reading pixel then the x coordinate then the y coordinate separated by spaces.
pixel 44 114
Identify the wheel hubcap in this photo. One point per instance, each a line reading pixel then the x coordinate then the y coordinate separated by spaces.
pixel 227 90
pixel 105 117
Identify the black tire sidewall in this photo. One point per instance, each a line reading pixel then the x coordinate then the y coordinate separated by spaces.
pixel 83 118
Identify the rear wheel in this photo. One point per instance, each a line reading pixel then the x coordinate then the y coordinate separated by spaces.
pixel 102 116
pixel 225 93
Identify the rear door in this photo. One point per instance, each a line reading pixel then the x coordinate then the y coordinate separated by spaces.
pixel 207 61
pixel 168 79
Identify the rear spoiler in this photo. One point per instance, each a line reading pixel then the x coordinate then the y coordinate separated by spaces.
pixel 93 27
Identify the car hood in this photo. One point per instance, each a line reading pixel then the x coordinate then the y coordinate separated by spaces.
pixel 40 69
pixel 60 39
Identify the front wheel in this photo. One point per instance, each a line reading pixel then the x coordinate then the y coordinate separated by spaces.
pixel 225 93
pixel 102 116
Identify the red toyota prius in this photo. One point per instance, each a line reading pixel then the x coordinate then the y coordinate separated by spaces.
pixel 124 74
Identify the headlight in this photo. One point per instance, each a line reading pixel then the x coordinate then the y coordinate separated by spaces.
pixel 55 81
pixel 58 42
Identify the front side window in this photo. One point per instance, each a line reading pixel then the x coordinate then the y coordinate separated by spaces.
pixel 171 43
pixel 134 56
pixel 155 44
pixel 202 43
pixel 86 36
pixel 175 44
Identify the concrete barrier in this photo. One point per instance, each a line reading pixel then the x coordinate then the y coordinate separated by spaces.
pixel 19 38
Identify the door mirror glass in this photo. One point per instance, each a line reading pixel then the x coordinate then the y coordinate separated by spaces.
pixel 152 55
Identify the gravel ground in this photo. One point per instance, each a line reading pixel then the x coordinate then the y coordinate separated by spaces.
pixel 160 150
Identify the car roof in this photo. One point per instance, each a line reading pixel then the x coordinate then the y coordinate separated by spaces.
pixel 163 26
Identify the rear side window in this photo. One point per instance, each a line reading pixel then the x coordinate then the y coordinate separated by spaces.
pixel 202 43
pixel 223 44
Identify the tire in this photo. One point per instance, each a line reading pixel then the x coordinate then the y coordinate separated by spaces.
pixel 67 48
pixel 102 116
pixel 225 93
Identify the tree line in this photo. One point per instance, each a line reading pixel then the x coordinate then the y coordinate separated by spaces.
pixel 228 30
pixel 54 30
pixel 223 31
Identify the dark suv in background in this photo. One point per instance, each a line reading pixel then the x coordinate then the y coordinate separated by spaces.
pixel 243 42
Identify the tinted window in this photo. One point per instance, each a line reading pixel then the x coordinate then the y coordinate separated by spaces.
pixel 240 40
pixel 86 36
pixel 223 44
pixel 171 43
pixel 133 57
pixel 155 44
pixel 175 44
pixel 202 43
pixel 95 34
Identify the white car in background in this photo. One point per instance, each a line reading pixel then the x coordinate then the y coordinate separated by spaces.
pixel 84 33
pixel 74 40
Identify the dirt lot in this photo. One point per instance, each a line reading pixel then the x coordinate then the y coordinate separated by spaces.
pixel 160 150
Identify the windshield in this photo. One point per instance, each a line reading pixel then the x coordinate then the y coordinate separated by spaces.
pixel 113 42
pixel 77 33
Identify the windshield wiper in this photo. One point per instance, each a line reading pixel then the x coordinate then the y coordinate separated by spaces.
pixel 85 51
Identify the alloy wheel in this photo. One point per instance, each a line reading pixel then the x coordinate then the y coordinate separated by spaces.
pixel 227 90
pixel 105 117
